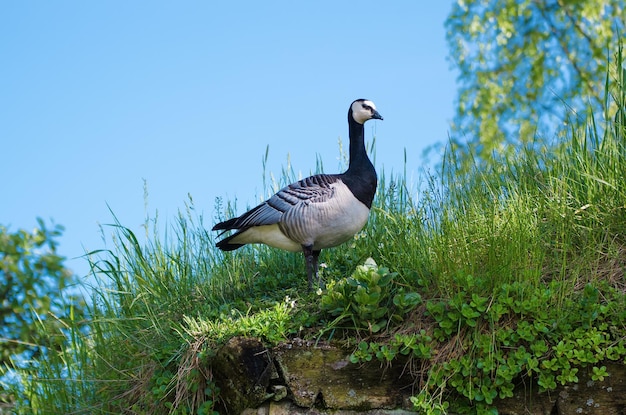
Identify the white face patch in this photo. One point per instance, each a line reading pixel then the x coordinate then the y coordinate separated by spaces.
pixel 362 111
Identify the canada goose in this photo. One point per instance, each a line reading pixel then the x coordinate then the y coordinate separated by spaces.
pixel 318 212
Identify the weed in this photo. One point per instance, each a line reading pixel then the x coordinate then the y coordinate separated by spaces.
pixel 368 298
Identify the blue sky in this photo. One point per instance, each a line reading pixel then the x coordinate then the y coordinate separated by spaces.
pixel 97 97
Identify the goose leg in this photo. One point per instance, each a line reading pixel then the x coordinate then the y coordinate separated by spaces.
pixel 312 268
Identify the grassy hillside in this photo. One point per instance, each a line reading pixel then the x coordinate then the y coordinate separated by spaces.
pixel 512 270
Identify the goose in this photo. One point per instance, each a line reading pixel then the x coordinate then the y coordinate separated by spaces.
pixel 321 211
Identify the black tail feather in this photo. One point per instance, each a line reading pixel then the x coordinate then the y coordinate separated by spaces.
pixel 225 244
pixel 226 225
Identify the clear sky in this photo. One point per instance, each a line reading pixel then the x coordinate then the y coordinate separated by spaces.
pixel 96 97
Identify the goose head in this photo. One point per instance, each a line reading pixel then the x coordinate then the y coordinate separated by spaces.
pixel 362 110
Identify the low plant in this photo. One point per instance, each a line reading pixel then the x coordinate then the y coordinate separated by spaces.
pixel 272 325
pixel 507 336
pixel 369 298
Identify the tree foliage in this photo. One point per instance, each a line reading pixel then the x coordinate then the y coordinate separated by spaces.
pixel 33 291
pixel 527 66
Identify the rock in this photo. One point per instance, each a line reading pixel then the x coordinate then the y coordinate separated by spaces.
pixel 589 397
pixel 586 397
pixel 322 375
pixel 527 400
pixel 242 369
pixel 289 408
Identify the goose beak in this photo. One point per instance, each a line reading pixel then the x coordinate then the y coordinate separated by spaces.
pixel 376 116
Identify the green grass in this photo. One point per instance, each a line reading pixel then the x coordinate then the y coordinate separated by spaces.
pixel 513 270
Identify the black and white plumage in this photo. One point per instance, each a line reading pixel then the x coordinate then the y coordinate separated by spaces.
pixel 321 211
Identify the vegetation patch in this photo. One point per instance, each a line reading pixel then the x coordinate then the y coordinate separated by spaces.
pixel 483 278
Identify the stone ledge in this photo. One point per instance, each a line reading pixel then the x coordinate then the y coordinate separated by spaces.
pixel 289 408
pixel 300 377
pixel 324 376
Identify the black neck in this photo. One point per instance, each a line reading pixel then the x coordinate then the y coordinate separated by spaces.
pixel 358 155
pixel 360 176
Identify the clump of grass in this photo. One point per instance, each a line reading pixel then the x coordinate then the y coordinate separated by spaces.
pixel 482 277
